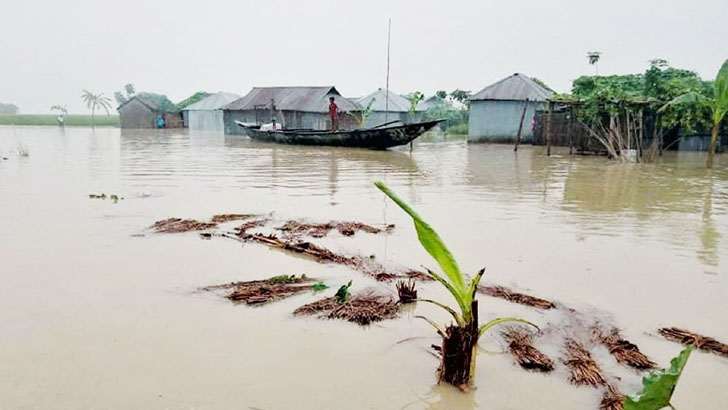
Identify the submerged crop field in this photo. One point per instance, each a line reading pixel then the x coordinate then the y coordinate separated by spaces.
pixel 183 270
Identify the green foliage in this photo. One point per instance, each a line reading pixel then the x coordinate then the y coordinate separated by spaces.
pixel 414 99
pixel 94 102
pixel 286 279
pixel 362 113
pixel 130 91
pixel 342 294
pixel 454 280
pixel 119 97
pixel 442 94
pixel 60 109
pixel 158 100
pixel 459 129
pixel 191 100
pixel 10 109
pixel 461 96
pixel 70 120
pixel 319 286
pixel 542 84
pixel 658 386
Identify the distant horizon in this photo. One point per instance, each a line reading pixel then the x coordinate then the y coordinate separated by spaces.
pixel 177 49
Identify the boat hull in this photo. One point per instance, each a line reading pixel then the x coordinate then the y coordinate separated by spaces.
pixel 372 138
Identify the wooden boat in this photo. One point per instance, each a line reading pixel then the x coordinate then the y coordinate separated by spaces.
pixel 380 137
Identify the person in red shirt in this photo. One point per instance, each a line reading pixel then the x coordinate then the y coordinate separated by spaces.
pixel 333 114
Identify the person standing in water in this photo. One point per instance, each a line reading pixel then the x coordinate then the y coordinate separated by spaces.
pixel 160 121
pixel 333 114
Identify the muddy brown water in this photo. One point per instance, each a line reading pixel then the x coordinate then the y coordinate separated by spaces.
pixel 94 315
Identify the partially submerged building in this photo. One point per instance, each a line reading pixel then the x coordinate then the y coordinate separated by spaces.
pixel 292 107
pixel 207 114
pixel 142 111
pixel 381 111
pixel 495 111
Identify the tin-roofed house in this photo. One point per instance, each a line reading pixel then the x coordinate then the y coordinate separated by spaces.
pixel 207 114
pixel 142 111
pixel 292 108
pixel 398 108
pixel 495 111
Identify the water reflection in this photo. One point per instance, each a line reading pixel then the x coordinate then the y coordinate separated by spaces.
pixel 443 397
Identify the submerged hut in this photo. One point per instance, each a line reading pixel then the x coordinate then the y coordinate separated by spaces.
pixel 206 114
pixel 142 110
pixel 398 108
pixel 292 107
pixel 495 111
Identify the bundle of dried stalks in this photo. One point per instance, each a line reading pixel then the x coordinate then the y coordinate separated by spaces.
pixel 687 337
pixel 264 291
pixel 520 344
pixel 295 229
pixel 177 225
pixel 612 399
pixel 515 297
pixel 319 253
pixel 231 217
pixel 363 309
pixel 406 291
pixel 583 370
pixel 622 350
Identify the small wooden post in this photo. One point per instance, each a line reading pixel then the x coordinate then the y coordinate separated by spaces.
pixel 520 125
pixel 570 130
pixel 548 129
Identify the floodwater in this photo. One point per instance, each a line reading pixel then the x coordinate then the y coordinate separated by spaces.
pixel 97 312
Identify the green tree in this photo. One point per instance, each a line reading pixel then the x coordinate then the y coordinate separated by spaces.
pixel 593 58
pixel 94 102
pixel 129 88
pixel 60 108
pixel 461 96
pixel 8 108
pixel 441 94
pixel 717 106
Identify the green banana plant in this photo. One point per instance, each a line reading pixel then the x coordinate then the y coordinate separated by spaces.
pixel 718 106
pixel 462 289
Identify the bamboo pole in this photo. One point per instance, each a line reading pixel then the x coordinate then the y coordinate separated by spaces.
pixel 520 125
pixel 548 129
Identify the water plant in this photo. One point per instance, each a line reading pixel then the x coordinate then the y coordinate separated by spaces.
pixel 459 340
pixel 659 385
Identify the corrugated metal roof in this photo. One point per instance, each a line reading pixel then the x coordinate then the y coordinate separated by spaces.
pixel 433 102
pixel 517 87
pixel 306 99
pixel 212 102
pixel 397 103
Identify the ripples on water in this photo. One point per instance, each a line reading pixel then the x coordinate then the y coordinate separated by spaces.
pixel 627 238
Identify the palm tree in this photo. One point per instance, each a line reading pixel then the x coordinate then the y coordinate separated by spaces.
pixel 60 108
pixel 94 101
pixel 593 57
pixel 718 106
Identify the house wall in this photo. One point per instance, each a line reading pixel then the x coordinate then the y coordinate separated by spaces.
pixel 207 120
pixel 498 121
pixel 134 114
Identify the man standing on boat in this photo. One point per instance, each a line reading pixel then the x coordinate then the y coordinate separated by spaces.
pixel 333 114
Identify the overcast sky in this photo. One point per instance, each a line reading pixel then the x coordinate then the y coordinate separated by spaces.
pixel 51 50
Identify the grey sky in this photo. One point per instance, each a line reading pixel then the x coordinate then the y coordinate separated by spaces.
pixel 51 50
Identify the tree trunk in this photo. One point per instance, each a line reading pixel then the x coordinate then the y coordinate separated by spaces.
pixel 458 350
pixel 713 143
pixel 93 116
